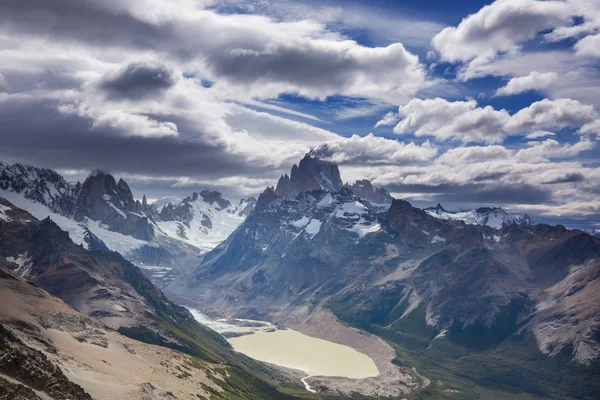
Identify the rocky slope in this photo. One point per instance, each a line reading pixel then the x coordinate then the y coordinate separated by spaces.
pixel 378 197
pixel 81 341
pixel 48 350
pixel 296 256
pixel 102 199
pixel 100 284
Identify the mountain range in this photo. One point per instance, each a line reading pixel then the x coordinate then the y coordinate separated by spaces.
pixel 482 303
pixel 472 281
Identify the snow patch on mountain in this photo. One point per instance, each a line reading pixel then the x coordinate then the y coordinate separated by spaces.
pixel 494 217
pixel 313 227
pixel 78 231
pixel 358 213
pixel 3 215
pixel 302 222
pixel 201 221
pixel 24 264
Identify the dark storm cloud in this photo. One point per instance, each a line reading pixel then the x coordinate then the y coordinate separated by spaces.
pixel 479 193
pixel 79 20
pixel 258 52
pixel 35 132
pixel 45 79
pixel 489 176
pixel 568 178
pixel 138 80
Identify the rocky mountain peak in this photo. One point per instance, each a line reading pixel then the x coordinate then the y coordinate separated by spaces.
pixel 40 185
pixel 266 197
pixel 365 190
pixel 246 206
pixel 312 173
pixel 102 199
pixel 212 197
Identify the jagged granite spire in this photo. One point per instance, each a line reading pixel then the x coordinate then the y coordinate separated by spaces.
pixel 102 199
pixel 312 173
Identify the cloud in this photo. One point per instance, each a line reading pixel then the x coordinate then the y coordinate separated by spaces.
pixel 534 81
pixel 475 193
pixel 388 119
pixel 3 85
pixel 36 130
pixel 552 149
pixel 511 38
pixel 320 68
pixel 548 113
pixel 446 120
pixel 591 127
pixel 588 46
pixel 539 134
pixel 371 149
pixel 473 154
pixel 245 55
pixel 138 80
pixel 499 27
pixel 465 121
pixel 568 178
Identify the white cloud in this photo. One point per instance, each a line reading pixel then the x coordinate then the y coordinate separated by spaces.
pixel 588 46
pixel 539 134
pixel 251 56
pixel 550 149
pixel 388 119
pixel 446 120
pixel 474 154
pixel 534 81
pixel 465 121
pixel 499 27
pixel 371 149
pixel 592 127
pixel 509 38
pixel 547 113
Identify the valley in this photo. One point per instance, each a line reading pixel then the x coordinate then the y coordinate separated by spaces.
pixel 317 289
pixel 299 200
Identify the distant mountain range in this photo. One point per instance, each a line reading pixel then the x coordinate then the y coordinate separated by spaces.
pixel 494 217
pixel 101 212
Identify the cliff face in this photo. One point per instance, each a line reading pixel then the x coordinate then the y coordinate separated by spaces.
pixel 111 203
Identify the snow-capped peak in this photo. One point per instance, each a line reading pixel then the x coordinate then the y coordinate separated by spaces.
pixel 494 217
pixel 204 219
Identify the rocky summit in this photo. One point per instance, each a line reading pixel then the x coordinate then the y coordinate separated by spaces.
pixel 312 173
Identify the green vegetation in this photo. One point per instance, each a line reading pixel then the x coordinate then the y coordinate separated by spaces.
pixel 477 363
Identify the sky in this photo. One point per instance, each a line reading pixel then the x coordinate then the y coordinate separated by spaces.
pixel 465 103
